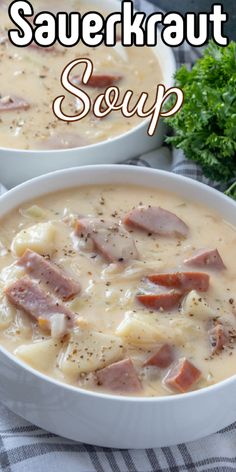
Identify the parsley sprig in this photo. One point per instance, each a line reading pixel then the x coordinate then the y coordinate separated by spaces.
pixel 205 127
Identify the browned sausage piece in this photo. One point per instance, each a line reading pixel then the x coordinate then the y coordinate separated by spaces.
pixel 208 258
pixel 99 80
pixel 162 358
pixel 164 301
pixel 49 274
pixel 218 338
pixel 28 296
pixel 185 281
pixel 13 103
pixel 110 240
pixel 182 376
pixel 156 220
pixel 120 377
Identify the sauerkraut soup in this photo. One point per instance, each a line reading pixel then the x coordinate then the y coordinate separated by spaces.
pixel 122 290
pixel 30 81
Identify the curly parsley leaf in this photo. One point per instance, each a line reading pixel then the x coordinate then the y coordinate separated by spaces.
pixel 231 192
pixel 205 127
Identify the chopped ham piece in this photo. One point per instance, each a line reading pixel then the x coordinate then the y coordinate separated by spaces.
pixel 62 141
pixel 218 338
pixel 182 376
pixel 112 241
pixel 184 281
pixel 162 358
pixel 120 377
pixel 161 301
pixel 13 103
pixel 156 220
pixel 99 80
pixel 28 296
pixel 208 258
pixel 49 274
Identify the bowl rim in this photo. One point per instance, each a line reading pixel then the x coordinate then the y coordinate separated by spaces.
pixel 39 152
pixel 113 168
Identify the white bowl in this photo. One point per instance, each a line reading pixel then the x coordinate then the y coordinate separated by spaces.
pixel 103 419
pixel 17 166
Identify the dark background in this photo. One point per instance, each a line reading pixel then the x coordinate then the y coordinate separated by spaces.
pixel 202 5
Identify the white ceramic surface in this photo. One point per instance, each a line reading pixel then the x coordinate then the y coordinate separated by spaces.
pixel 107 420
pixel 17 166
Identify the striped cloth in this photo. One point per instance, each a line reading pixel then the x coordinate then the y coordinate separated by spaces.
pixel 26 448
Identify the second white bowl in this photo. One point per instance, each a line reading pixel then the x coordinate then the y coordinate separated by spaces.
pixel 17 166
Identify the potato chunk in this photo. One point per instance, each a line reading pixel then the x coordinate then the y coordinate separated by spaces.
pixel 88 351
pixel 10 274
pixel 34 212
pixel 7 312
pixel 195 305
pixel 40 355
pixel 138 329
pixel 39 238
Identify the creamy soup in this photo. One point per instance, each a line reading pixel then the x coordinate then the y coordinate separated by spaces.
pixel 113 293
pixel 30 81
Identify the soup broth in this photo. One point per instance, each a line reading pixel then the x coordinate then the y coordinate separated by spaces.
pixel 30 81
pixel 129 291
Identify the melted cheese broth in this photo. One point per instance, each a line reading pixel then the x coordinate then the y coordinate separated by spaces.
pixel 108 290
pixel 33 74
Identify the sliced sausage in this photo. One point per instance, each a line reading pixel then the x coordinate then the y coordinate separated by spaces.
pixel 161 358
pixel 156 220
pixel 184 281
pixel 182 376
pixel 208 258
pixel 28 296
pixel 99 80
pixel 13 103
pixel 49 274
pixel 218 338
pixel 110 240
pixel 120 377
pixel 160 301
